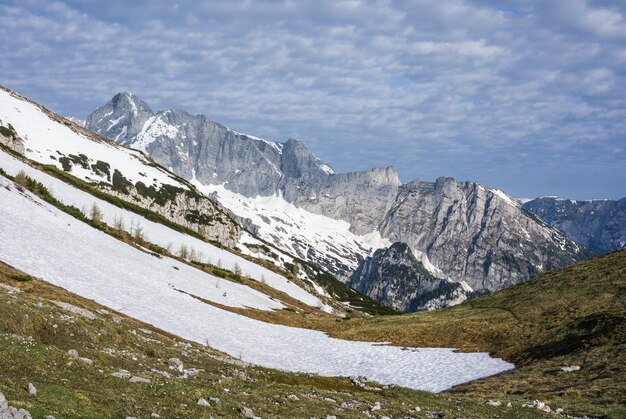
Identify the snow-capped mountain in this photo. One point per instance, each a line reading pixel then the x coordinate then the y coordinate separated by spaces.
pixel 599 224
pixel 460 231
pixel 45 137
pixel 124 257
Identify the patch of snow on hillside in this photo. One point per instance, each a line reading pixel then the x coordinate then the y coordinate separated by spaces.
pixel 296 230
pixel 96 256
pixel 47 243
pixel 45 138
pixel 160 234
pixel 505 197
pixel 152 129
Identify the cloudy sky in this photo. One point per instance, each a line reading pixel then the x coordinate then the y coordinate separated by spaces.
pixel 528 96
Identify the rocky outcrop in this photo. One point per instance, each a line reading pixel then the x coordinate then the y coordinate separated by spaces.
pixel 9 138
pixel 475 234
pixel 188 209
pixel 598 224
pixel 396 278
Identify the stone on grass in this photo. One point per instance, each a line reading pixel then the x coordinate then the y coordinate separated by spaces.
pixel 248 413
pixel 214 399
pixel 293 397
pixel 135 379
pixel 202 402
pixel 376 407
pixel 73 353
pixel 32 390
pixel 121 374
pixel 175 364
pixel 494 403
pixel 86 361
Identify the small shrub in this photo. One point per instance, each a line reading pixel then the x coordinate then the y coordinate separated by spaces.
pixel 21 180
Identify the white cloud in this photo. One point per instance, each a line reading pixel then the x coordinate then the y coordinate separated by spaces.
pixel 436 87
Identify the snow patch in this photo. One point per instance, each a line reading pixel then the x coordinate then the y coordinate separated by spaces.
pixel 50 244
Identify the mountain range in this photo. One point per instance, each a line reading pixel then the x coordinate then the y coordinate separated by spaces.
pixel 461 232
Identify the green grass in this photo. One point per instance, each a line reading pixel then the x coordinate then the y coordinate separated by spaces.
pixel 571 316
pixel 33 350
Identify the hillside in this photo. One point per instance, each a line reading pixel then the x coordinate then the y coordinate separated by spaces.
pixel 36 335
pixel 574 316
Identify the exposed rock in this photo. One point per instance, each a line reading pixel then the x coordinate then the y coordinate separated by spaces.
pixel 571 368
pixel 203 403
pixel 73 353
pixel 32 390
pixel 376 407
pixel 135 379
pixel 494 403
pixel 76 310
pixel 121 374
pixel 396 278
pixel 248 413
pixel 86 361
pixel 10 138
pixel 293 397
pixel 538 405
pixel 175 364
pixel 599 224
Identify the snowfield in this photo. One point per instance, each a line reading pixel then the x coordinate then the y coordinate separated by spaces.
pixel 46 140
pixel 160 234
pixel 296 230
pixel 45 242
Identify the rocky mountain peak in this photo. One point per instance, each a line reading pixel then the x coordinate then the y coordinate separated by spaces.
pixel 121 118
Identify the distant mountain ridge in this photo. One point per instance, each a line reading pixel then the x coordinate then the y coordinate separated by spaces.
pixel 598 224
pixel 460 231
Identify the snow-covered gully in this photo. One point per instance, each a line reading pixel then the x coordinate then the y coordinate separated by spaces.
pixel 45 242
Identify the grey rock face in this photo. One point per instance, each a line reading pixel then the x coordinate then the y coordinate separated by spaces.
pixel 599 224
pixel 396 278
pixel 10 138
pixel 468 232
pixel 121 119
pixel 475 234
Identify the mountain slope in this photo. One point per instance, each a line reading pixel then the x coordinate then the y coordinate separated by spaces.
pixel 394 276
pixel 35 351
pixel 597 224
pixel 460 231
pixel 49 139
pixel 574 316
pixel 43 241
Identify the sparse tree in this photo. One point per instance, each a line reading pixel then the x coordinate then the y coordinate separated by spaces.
pixel 95 214
pixel 118 223
pixel 139 234
pixel 183 252
pixel 237 271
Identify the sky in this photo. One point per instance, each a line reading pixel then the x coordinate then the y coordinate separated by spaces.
pixel 526 96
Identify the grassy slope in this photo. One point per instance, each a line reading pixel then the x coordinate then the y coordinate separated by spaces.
pixel 70 388
pixel 571 316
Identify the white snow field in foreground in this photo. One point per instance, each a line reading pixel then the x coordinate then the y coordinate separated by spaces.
pixel 159 234
pixel 45 242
